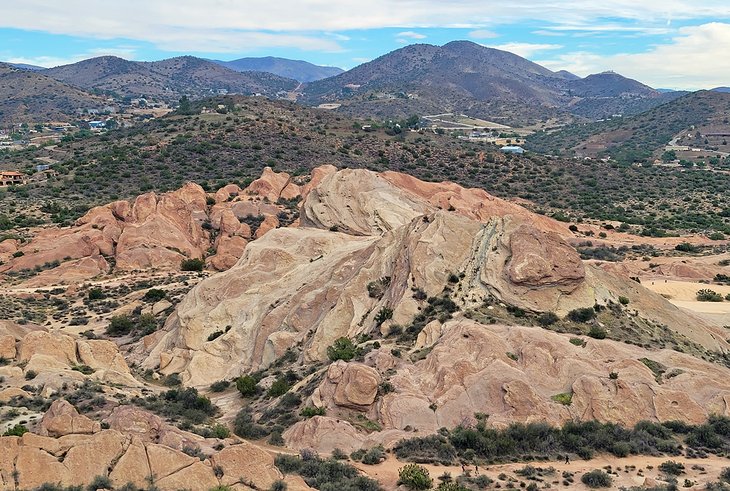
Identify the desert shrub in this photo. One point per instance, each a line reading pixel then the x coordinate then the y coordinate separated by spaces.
pixel 278 485
pixel 686 247
pixel 245 426
pixel 311 411
pixel 278 388
pixel 725 475
pixel 193 264
pixel 672 468
pixel 154 294
pixel 624 300
pixel 96 294
pixel 120 325
pixel 219 386
pixel 185 405
pixel 577 342
pixel 246 385
pixel 100 482
pixel 383 315
pixel 582 315
pixel 415 477
pixel 342 349
pixel 597 332
pixel 596 479
pixel 339 454
pixel 374 456
pixel 548 319
pixel 30 374
pixel 325 475
pixel 707 295
pixel 451 486
pixel 565 398
pixel 17 430
pixel 428 449
pixel 376 289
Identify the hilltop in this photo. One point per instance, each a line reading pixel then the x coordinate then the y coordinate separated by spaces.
pixel 167 79
pixel 462 76
pixel 28 96
pixel 301 71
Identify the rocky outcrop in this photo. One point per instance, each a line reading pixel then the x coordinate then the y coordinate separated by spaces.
pixel 72 450
pixel 349 385
pixel 63 419
pixel 308 285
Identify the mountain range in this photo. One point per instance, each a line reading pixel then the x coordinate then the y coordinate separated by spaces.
pixel 460 76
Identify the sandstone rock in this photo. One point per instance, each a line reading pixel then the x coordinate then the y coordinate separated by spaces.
pixel 272 186
pixel 248 462
pixel 93 457
pixel 323 434
pixel 356 385
pixel 56 346
pixel 63 419
pixel 132 467
pixel 10 392
pixel 7 346
pixel 198 475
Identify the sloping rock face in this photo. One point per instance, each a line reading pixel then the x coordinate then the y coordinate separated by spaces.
pixel 72 450
pixel 512 373
pixel 308 286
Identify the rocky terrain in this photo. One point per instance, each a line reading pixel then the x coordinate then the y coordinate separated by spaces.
pixel 350 309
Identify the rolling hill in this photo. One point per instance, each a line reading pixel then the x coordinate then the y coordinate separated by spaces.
pixel 462 76
pixel 301 71
pixel 639 137
pixel 167 79
pixel 28 96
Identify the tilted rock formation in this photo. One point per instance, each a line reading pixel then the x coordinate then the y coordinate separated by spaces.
pixel 307 286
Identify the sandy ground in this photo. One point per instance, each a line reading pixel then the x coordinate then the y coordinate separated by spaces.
pixel 387 472
pixel 683 294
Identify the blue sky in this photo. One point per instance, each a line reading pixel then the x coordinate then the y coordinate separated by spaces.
pixel 668 43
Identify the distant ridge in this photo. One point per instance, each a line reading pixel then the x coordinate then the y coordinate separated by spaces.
pixel 301 71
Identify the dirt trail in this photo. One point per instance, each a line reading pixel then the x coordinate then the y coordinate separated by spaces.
pixel 387 472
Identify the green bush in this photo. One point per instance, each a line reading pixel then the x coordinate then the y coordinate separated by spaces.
pixel 96 294
pixel 245 427
pixel 278 485
pixel 342 349
pixel 707 295
pixel 194 264
pixel 566 398
pixel 120 325
pixel 624 300
pixel 219 386
pixel 725 475
pixel 415 477
pixel 373 456
pixel 278 388
pixel 154 294
pixel 596 479
pixel 247 386
pixel 17 430
pixel 311 411
pixel 672 468
pixel 548 319
pixel 597 332
pixel 582 315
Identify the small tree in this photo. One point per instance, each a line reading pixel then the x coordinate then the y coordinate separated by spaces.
pixel 119 325
pixel 342 349
pixel 246 385
pixel 194 264
pixel 415 477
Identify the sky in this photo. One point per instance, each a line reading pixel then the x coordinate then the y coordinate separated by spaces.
pixel 677 44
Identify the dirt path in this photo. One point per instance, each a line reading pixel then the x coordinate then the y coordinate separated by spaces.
pixel 387 472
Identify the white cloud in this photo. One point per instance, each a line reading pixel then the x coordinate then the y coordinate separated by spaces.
pixel 234 25
pixel 526 50
pixel 127 53
pixel 483 34
pixel 410 35
pixel 695 58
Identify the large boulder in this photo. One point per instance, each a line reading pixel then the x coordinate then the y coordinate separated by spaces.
pixel 63 419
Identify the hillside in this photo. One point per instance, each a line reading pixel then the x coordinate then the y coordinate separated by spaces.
pixel 214 149
pixel 462 76
pixel 641 136
pixel 167 79
pixel 301 71
pixel 28 96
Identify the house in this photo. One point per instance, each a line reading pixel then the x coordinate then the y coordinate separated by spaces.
pixel 11 178
pixel 97 125
pixel 512 149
